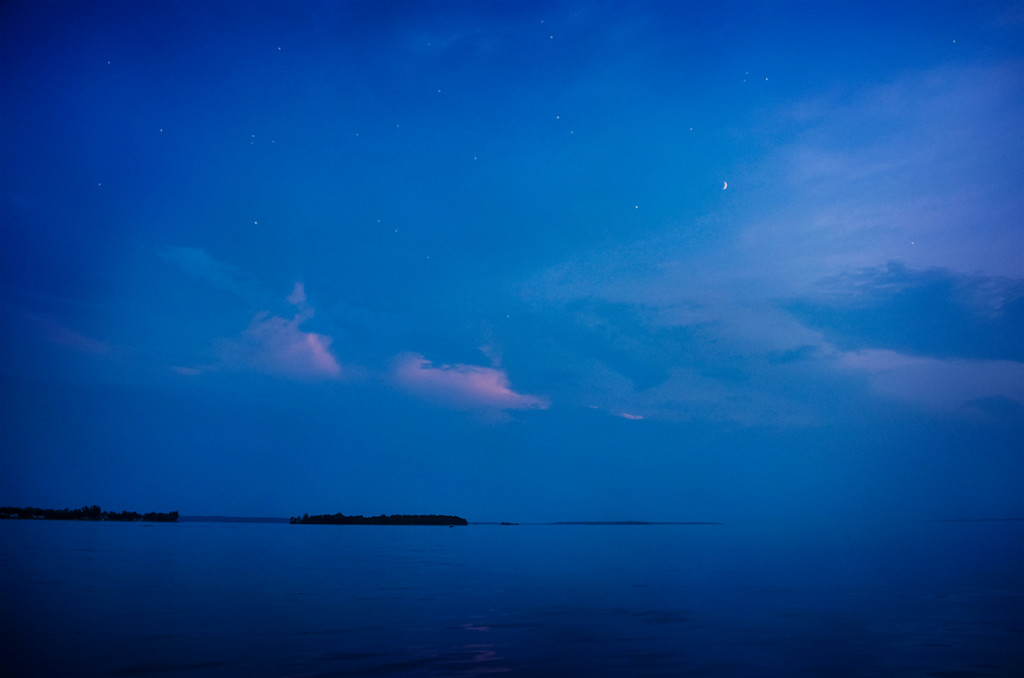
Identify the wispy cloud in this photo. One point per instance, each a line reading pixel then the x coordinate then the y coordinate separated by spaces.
pixel 462 386
pixel 866 190
pixel 944 385
pixel 199 264
pixel 298 295
pixel 58 333
pixel 921 170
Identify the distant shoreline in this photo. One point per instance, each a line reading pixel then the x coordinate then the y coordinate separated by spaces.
pixel 94 514
pixel 628 522
pixel 602 522
pixel 86 513
pixel 231 519
pixel 30 513
pixel 266 519
pixel 974 520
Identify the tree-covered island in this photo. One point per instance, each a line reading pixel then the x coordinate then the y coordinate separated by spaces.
pixel 342 519
pixel 85 513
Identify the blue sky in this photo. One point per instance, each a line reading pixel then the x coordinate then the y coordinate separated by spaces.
pixel 514 261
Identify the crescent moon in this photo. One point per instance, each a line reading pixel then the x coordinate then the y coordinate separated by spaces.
pixel 725 185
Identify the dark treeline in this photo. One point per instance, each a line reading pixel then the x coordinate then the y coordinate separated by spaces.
pixel 342 519
pixel 86 513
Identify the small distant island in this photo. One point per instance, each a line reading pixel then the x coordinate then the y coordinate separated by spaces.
pixel 85 513
pixel 342 519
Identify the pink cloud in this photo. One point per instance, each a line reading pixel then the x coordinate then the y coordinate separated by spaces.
pixel 276 345
pixel 462 386
pixel 631 417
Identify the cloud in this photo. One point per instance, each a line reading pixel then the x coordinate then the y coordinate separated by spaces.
pixel 881 220
pixel 62 335
pixel 197 263
pixel 743 397
pixel 46 327
pixel 998 407
pixel 271 344
pixel 715 359
pixel 276 345
pixel 921 312
pixel 462 386
pixel 281 347
pixel 944 385
pixel 921 170
pixel 298 295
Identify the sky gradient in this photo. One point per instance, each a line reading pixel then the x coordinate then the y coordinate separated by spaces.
pixel 514 261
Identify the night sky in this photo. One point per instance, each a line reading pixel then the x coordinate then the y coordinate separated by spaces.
pixel 514 261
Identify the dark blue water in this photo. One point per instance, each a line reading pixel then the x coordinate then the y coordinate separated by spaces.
pixel 220 599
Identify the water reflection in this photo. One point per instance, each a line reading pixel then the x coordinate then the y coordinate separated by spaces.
pixel 471 659
pixel 88 600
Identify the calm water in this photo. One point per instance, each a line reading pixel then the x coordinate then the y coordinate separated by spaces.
pixel 219 599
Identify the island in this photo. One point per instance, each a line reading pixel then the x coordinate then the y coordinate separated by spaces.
pixel 85 513
pixel 398 519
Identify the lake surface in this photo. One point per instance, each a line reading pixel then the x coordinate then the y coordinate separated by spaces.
pixel 228 599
